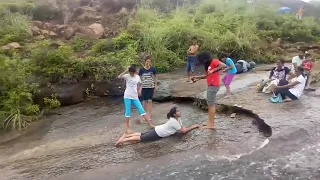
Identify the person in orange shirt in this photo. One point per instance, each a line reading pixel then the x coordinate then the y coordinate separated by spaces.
pixel 300 13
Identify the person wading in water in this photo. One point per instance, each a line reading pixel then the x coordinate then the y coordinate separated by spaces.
pixel 192 58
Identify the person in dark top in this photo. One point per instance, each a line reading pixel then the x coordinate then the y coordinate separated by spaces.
pixel 280 71
pixel 149 83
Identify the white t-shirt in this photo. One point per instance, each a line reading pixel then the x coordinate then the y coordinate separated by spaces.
pixel 297 60
pixel 169 128
pixel 132 83
pixel 298 89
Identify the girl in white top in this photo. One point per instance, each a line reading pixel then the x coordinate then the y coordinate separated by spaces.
pixel 172 126
pixel 292 91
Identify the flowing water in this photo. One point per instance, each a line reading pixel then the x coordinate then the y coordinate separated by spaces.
pixel 77 142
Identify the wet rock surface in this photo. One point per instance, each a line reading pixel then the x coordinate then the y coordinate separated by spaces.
pixel 76 142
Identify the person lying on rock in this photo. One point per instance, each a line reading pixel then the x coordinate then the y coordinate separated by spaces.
pixel 308 65
pixel 291 91
pixel 133 85
pixel 171 127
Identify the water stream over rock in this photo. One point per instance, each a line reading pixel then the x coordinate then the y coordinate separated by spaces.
pixel 77 142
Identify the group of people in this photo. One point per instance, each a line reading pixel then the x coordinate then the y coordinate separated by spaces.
pixel 289 84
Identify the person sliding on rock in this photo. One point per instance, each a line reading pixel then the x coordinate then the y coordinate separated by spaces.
pixel 172 126
pixel 213 82
pixel 192 58
pixel 133 83
pixel 232 71
pixel 149 84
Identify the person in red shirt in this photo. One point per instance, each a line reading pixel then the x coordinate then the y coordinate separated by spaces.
pixel 308 65
pixel 213 82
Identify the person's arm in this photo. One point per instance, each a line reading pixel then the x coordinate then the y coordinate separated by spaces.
pixel 123 73
pixel 189 50
pixel 289 85
pixel 139 87
pixel 155 77
pixel 271 73
pixel 220 67
pixel 188 129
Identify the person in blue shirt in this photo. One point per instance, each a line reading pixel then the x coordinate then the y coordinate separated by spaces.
pixel 232 71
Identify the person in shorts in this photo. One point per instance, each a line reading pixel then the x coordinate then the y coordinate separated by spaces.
pixel 213 82
pixel 149 83
pixel 133 83
pixel 192 58
pixel 232 71
pixel 171 127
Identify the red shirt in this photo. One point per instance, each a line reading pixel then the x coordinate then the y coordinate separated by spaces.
pixel 307 65
pixel 214 78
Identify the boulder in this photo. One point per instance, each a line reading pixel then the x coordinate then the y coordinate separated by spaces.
pixel 10 46
pixel 95 30
pixel 35 31
pixel 44 32
pixel 52 34
pixel 112 88
pixel 48 26
pixel 68 33
pixel 37 23
pixel 67 94
pixel 39 38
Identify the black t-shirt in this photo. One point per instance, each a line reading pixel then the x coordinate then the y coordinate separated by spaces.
pixel 279 74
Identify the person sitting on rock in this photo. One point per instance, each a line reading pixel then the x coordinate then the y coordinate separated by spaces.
pixel 276 74
pixel 133 83
pixel 171 127
pixel 308 65
pixel 292 91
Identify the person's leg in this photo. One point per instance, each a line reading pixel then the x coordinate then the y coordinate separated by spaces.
pixel 150 97
pixel 124 139
pixel 227 82
pixel 133 134
pixel 142 112
pixel 193 61
pixel 211 101
pixel 127 104
pixel 309 80
pixel 144 103
pixel 188 69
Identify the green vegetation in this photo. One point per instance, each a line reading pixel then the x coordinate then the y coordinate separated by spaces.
pixel 246 30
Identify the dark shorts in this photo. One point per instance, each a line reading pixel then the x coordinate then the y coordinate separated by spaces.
pixel 212 95
pixel 150 136
pixel 147 94
pixel 285 91
pixel 191 63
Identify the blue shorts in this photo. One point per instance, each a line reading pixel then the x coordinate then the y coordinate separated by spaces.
pixel 147 94
pixel 191 63
pixel 137 103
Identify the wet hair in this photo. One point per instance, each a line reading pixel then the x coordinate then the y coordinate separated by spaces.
pixel 132 68
pixel 308 55
pixel 172 112
pixel 194 38
pixel 301 56
pixel 223 55
pixel 282 61
pixel 206 58
pixel 147 58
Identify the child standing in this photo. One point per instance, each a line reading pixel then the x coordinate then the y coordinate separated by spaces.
pixel 133 85
pixel 232 71
pixel 308 65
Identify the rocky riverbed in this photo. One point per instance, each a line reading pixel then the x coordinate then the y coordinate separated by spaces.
pixel 76 142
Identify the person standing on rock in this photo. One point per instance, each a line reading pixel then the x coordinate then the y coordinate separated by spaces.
pixel 232 71
pixel 192 58
pixel 213 82
pixel 297 61
pixel 133 85
pixel 149 84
